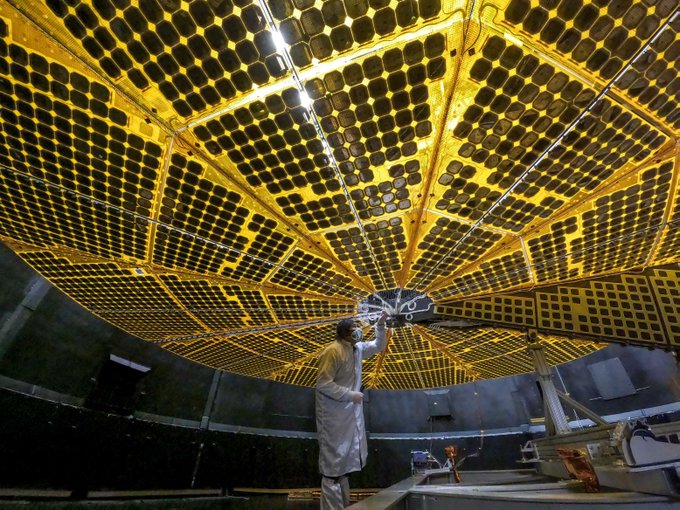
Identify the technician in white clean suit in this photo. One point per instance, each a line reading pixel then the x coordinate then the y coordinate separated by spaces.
pixel 339 409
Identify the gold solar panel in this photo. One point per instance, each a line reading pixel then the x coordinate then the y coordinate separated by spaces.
pixel 228 178
pixel 664 282
pixel 517 309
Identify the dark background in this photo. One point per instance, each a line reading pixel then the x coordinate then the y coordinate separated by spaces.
pixel 71 420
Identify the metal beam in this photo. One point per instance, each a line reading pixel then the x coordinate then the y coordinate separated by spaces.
pixel 554 411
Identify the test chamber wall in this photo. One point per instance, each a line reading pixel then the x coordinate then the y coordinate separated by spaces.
pixel 50 440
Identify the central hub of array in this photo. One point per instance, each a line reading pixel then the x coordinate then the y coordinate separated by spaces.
pixel 404 306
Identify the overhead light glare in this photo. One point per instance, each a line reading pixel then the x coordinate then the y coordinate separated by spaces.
pixel 305 100
pixel 278 41
pixel 513 39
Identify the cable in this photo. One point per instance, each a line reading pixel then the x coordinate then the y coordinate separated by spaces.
pixel 467 27
pixel 320 133
pixel 72 193
pixel 545 153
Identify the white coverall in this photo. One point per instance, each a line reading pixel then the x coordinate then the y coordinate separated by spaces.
pixel 340 422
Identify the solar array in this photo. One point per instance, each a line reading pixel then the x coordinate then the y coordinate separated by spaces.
pixel 228 178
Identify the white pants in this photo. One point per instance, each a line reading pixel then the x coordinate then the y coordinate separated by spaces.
pixel 334 493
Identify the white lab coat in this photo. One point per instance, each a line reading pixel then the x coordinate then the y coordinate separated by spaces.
pixel 339 422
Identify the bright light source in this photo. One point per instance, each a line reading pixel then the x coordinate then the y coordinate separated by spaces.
pixel 305 100
pixel 513 39
pixel 278 40
pixel 453 123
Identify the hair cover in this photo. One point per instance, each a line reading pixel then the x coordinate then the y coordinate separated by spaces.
pixel 344 328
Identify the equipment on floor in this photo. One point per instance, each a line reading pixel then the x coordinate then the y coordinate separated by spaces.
pixel 423 460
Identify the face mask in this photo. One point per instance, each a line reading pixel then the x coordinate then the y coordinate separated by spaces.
pixel 357 335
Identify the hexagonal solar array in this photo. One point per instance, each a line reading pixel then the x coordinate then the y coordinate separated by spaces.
pixel 227 178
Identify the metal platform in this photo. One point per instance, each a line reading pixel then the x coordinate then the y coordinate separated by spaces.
pixel 503 490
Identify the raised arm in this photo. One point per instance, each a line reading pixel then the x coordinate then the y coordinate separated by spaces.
pixel 377 345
